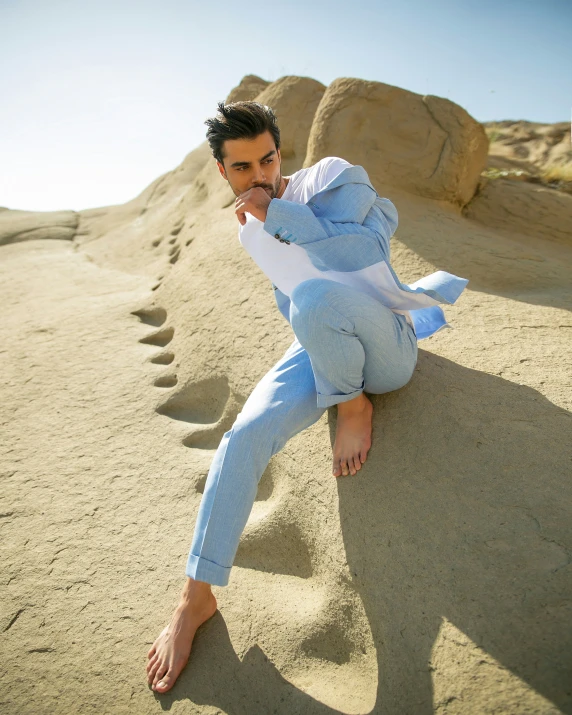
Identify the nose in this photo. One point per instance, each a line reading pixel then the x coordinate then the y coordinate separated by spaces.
pixel 259 176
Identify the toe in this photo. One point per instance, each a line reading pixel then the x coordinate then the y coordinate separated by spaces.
pixel 152 662
pixel 357 463
pixel 160 672
pixel 345 470
pixel 362 456
pixel 336 469
pixel 153 671
pixel 166 682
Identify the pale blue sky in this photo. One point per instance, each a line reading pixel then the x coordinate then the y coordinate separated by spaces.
pixel 100 98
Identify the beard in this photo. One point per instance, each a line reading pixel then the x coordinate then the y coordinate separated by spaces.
pixel 271 189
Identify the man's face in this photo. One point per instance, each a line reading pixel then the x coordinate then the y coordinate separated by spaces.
pixel 252 162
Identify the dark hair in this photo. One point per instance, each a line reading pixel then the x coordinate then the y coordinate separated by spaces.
pixel 240 120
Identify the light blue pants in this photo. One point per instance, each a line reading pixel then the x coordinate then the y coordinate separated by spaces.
pixel 346 342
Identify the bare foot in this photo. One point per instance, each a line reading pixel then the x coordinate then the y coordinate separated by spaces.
pixel 353 435
pixel 170 652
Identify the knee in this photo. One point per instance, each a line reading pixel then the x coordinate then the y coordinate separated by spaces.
pixel 257 435
pixel 317 304
pixel 248 426
pixel 309 292
pixel 309 302
pixel 259 425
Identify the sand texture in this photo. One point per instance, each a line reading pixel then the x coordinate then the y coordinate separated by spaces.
pixel 436 580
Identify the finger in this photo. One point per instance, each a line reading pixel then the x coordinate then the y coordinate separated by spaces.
pixel 243 208
pixel 241 218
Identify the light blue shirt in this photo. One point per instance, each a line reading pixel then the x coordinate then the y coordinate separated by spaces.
pixel 347 226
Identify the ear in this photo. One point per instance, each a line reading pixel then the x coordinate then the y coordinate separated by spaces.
pixel 221 170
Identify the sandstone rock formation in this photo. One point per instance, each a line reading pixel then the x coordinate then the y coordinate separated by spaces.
pixel 428 145
pixel 531 146
pixel 294 100
pixel 248 88
pixel 16 225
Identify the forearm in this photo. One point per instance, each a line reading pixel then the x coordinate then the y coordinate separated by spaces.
pixel 293 222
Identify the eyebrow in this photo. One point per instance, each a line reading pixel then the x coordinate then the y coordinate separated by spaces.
pixel 247 163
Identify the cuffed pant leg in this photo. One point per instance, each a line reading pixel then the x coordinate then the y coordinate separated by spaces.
pixel 281 405
pixel 354 342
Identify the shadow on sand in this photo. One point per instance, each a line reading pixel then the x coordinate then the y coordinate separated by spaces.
pixel 467 516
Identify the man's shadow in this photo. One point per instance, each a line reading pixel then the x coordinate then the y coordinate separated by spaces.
pixel 465 508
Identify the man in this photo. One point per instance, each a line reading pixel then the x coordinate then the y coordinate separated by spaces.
pixel 322 237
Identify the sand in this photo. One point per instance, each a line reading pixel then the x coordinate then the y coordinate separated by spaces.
pixel 436 580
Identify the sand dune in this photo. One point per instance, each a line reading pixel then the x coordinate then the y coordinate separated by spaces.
pixel 437 580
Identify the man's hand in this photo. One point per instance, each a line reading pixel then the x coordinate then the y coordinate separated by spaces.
pixel 255 201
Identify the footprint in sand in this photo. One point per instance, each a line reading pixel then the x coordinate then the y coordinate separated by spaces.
pixel 174 251
pixel 175 243
pixel 156 317
pixel 161 338
pixel 174 240
pixel 208 405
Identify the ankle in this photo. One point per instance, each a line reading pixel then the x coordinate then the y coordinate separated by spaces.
pixel 195 590
pixel 358 404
